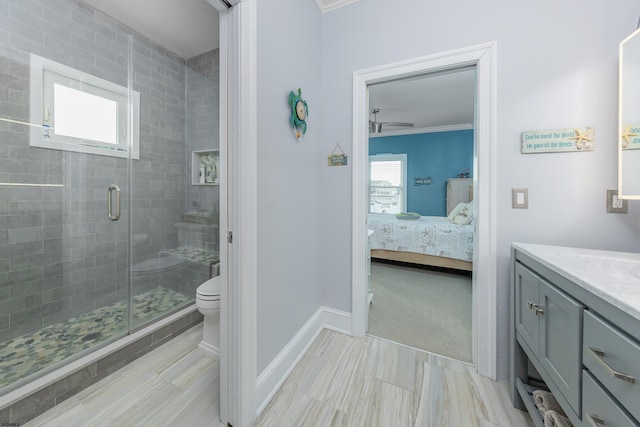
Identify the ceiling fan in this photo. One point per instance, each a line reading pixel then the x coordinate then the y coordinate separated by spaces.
pixel 376 127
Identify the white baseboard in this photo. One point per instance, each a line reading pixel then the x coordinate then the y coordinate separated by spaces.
pixel 336 320
pixel 209 350
pixel 274 375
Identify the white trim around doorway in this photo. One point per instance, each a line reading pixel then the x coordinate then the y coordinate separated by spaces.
pixel 244 210
pixel 240 125
pixel 484 259
pixel 226 326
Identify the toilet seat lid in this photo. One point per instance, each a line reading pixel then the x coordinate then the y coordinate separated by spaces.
pixel 210 290
pixel 208 298
pixel 157 264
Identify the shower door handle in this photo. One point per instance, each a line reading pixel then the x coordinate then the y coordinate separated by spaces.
pixel 110 214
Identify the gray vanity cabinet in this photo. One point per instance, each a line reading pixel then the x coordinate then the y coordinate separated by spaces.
pixel 599 408
pixel 613 358
pixel 527 323
pixel 549 325
pixel 575 328
pixel 561 341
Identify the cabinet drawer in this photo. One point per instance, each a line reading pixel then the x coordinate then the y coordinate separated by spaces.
pixel 614 359
pixel 599 409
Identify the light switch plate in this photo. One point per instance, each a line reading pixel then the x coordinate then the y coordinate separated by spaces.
pixel 520 198
pixel 615 205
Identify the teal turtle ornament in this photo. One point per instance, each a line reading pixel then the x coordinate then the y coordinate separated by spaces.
pixel 299 113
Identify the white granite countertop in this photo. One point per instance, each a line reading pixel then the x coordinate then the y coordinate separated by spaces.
pixel 613 276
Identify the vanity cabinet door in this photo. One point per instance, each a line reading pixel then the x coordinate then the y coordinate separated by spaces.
pixel 560 351
pixel 526 289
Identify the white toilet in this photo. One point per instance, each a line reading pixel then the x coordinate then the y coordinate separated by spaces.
pixel 208 303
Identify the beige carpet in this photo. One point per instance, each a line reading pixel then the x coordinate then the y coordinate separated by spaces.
pixel 426 309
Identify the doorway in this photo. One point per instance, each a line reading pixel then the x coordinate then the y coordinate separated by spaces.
pixel 484 258
pixel 421 147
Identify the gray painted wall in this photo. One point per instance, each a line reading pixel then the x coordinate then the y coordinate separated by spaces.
pixel 551 74
pixel 288 264
pixel 556 67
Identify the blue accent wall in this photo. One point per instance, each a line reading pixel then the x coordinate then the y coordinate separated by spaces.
pixel 439 155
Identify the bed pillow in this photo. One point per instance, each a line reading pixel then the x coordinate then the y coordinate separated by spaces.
pixel 462 214
pixel 455 211
pixel 408 215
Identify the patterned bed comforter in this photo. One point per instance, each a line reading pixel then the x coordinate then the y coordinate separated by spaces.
pixel 430 235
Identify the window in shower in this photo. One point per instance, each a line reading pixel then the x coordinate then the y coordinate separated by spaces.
pixel 81 112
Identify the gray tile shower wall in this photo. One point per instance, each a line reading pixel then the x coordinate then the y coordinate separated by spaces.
pixel 203 94
pixel 59 255
pixel 160 176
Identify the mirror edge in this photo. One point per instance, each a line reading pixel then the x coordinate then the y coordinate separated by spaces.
pixel 621 194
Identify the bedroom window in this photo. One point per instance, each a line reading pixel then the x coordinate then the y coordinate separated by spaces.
pixel 387 183
pixel 76 111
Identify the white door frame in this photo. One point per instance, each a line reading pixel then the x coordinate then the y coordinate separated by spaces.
pixel 238 190
pixel 484 258
pixel 243 217
pixel 226 324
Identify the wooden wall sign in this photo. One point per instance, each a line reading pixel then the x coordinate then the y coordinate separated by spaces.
pixel 558 140
pixel 337 158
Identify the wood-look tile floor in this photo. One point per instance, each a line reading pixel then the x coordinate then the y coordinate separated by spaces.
pixel 346 381
pixel 173 385
pixel 340 381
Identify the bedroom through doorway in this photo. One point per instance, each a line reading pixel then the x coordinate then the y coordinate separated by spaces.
pixel 420 179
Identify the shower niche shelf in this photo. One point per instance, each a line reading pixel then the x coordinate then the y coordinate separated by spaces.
pixel 205 167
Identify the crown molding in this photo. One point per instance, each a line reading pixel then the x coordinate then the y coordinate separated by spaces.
pixel 324 8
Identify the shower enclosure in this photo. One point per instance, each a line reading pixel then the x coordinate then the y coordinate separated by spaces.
pixel 108 182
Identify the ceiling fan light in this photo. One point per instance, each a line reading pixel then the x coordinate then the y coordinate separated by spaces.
pixel 375 127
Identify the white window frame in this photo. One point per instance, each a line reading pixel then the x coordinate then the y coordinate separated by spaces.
pixel 391 157
pixel 44 74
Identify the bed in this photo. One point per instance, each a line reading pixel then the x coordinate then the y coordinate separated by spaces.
pixel 430 240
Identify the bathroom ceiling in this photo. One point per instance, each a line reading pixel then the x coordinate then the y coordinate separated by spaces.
pixel 190 27
pixel 185 27
pixel 431 100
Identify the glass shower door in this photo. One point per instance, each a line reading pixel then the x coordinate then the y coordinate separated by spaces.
pixel 106 223
pixel 175 191
pixel 64 258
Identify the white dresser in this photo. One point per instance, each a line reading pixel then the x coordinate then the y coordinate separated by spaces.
pixel 459 190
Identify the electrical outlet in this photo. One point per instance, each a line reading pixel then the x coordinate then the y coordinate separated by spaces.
pixel 615 204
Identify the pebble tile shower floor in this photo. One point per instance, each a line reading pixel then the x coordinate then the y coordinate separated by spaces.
pixel 30 353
